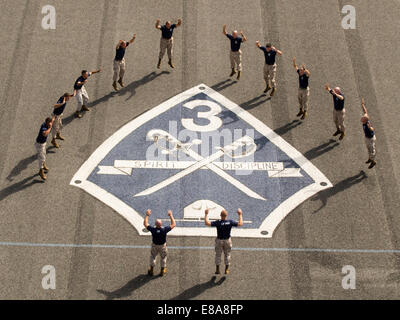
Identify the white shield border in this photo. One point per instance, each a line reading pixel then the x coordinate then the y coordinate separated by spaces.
pixel 268 225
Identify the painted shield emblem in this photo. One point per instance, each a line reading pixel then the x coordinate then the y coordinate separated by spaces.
pixel 198 151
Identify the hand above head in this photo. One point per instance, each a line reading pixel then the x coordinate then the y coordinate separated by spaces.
pixel 206 211
pixel 134 36
pixel 169 213
pixel 362 101
pixel 148 212
pixel 327 87
pixel 239 211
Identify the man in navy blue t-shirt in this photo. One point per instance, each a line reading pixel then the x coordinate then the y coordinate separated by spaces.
pixel 82 96
pixel 338 110
pixel 370 136
pixel 58 110
pixel 304 89
pixel 40 145
pixel 235 53
pixel 270 53
pixel 159 243
pixel 167 40
pixel 119 61
pixel 223 242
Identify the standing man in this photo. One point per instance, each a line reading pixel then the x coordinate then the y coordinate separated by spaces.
pixel 57 114
pixel 270 65
pixel 338 110
pixel 81 95
pixel 236 53
pixel 304 90
pixel 159 244
pixel 119 61
pixel 40 146
pixel 166 41
pixel 370 137
pixel 223 242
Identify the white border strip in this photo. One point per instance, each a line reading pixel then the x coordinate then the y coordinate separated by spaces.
pixel 270 223
pixel 117 246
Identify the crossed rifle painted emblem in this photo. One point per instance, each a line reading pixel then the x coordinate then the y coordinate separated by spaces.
pixel 240 148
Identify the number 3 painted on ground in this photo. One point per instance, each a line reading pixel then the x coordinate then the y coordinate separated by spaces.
pixel 215 122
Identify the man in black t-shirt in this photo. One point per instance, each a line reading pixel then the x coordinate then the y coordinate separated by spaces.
pixel 235 53
pixel 338 110
pixel 270 53
pixel 304 89
pixel 370 137
pixel 40 145
pixel 58 110
pixel 167 40
pixel 223 242
pixel 119 61
pixel 159 243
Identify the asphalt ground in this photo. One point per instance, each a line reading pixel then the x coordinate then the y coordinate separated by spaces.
pixel 359 213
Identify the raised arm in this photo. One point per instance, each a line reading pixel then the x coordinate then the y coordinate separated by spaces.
pixel 258 44
pixel 173 223
pixel 277 51
pixel 327 87
pixel 57 105
pixel 332 92
pixel 96 71
pixel 146 218
pixel 206 221
pixel 47 132
pixel 306 70
pixel 364 108
pixel 294 63
pixel 158 26
pixel 179 23
pixel 240 213
pixel 133 38
pixel 243 36
pixel 224 29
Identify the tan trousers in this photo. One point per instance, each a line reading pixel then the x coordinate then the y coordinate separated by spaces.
pixel 338 119
pixel 57 125
pixel 270 74
pixel 158 250
pixel 236 60
pixel 226 247
pixel 41 151
pixel 166 45
pixel 119 69
pixel 370 143
pixel 303 98
pixel 82 97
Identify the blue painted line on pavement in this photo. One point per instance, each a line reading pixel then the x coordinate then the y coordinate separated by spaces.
pixel 105 246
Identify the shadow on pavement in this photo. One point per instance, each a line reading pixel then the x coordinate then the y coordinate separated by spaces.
pixel 19 186
pixel 199 289
pixel 287 127
pixel 223 85
pixel 130 88
pixel 128 288
pixel 254 102
pixel 321 149
pixel 21 166
pixel 339 187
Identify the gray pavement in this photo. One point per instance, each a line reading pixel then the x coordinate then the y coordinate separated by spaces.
pixel 359 212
